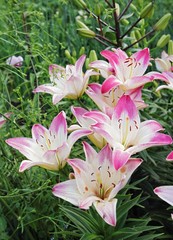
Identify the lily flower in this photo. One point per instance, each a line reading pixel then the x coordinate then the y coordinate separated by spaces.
pixel 126 134
pixel 166 194
pixel 48 148
pixel 86 123
pixel 69 82
pixel 3 119
pixel 96 182
pixel 164 65
pixel 107 101
pixel 125 72
pixel 15 61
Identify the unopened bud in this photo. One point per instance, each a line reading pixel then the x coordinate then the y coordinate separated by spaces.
pixel 80 4
pixel 81 24
pixel 92 56
pixel 81 51
pixel 133 38
pixel 137 34
pixel 117 9
pixel 86 32
pixel 133 7
pixel 146 12
pixel 124 21
pixel 170 47
pixel 97 10
pixel 87 61
pixel 74 53
pixel 67 54
pixel 162 23
pixel 163 40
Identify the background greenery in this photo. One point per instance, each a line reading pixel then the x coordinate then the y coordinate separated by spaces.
pixel 41 32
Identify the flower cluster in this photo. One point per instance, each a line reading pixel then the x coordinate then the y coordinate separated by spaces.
pixel 116 129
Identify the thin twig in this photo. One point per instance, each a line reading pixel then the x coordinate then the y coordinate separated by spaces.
pixel 146 35
pixel 117 26
pixel 100 26
pixel 104 23
pixel 125 10
pixel 109 4
pixel 105 44
pixel 105 39
pixel 133 25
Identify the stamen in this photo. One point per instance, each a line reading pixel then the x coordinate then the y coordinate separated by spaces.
pixel 86 188
pixel 114 185
pixel 99 168
pixel 42 136
pixel 109 173
pixel 136 124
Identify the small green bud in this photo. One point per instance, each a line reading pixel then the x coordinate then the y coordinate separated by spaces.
pixel 133 38
pixel 162 23
pixel 80 4
pixel 133 7
pixel 92 56
pixel 86 32
pixel 97 10
pixel 67 54
pixel 81 51
pixel 74 53
pixel 163 40
pixel 147 11
pixel 81 24
pixel 87 61
pixel 170 47
pixel 137 34
pixel 124 21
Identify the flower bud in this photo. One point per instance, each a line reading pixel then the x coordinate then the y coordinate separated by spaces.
pixel 97 10
pixel 163 40
pixel 133 38
pixel 117 9
pixel 80 4
pixel 162 23
pixel 67 54
pixel 92 56
pixel 81 24
pixel 124 21
pixel 81 51
pixel 137 34
pixel 146 12
pixel 87 63
pixel 170 47
pixel 86 32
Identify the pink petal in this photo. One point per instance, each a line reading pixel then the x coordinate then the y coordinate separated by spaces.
pixel 74 136
pixel 26 164
pixel 58 97
pixel 120 158
pixel 105 155
pixel 137 81
pixel 38 131
pixel 90 153
pixel 109 83
pixel 58 127
pixel 142 58
pixel 170 156
pixel 98 116
pixel 165 193
pixel 126 106
pixel 47 88
pixel 107 210
pixel 79 64
pixel 68 191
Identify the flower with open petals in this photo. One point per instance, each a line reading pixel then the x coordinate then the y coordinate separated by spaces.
pixel 126 134
pixel 164 65
pixel 125 72
pixel 3 119
pixel 96 182
pixel 107 101
pixel 15 61
pixel 69 82
pixel 48 148
pixel 166 194
pixel 86 123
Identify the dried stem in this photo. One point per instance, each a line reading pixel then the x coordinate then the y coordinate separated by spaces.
pixel 99 40
pixel 109 4
pixel 105 39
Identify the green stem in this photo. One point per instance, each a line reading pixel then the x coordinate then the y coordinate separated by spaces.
pixel 125 10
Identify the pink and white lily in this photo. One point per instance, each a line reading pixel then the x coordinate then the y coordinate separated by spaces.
pixel 166 194
pixel 69 82
pixel 48 148
pixel 126 134
pixel 15 61
pixel 96 182
pixel 125 72
pixel 107 101
pixel 3 119
pixel 86 123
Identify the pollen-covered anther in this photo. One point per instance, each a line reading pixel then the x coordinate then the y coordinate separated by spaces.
pixel 136 124
pixel 109 173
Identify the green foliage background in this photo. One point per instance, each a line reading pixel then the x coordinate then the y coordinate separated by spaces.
pixel 41 31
